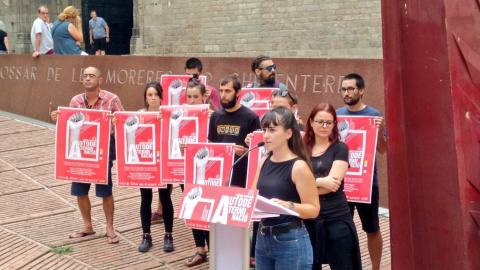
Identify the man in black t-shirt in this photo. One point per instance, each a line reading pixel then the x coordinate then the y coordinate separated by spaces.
pixel 232 124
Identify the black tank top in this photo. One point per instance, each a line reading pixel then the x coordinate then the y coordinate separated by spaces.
pixel 275 181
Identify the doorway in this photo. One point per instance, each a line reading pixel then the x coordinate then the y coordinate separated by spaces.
pixel 119 16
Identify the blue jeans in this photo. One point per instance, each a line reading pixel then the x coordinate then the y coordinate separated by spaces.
pixel 289 251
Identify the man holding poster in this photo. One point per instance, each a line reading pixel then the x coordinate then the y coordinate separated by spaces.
pixel 232 124
pixel 97 99
pixel 353 89
pixel 265 76
pixel 193 66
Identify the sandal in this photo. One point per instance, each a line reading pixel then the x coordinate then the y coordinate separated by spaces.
pixel 156 216
pixel 110 239
pixel 192 261
pixel 80 235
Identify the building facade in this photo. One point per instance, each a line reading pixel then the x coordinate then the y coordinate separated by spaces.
pixel 227 28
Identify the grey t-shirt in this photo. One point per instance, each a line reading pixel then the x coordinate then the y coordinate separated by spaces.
pixel 98 27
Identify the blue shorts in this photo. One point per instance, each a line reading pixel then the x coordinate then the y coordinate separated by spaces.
pixel 368 212
pixel 102 191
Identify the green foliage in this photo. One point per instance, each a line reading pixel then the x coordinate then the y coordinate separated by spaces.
pixel 62 250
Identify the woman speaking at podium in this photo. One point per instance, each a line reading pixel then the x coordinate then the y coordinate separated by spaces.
pixel 285 177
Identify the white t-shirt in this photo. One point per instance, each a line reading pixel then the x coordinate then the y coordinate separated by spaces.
pixel 46 42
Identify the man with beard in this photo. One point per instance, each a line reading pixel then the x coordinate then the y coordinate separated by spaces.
pixel 232 124
pixel 97 99
pixel 353 89
pixel 264 70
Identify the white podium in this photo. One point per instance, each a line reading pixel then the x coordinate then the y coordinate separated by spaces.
pixel 230 245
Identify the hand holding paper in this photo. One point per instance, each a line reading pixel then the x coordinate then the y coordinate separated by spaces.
pixel 268 206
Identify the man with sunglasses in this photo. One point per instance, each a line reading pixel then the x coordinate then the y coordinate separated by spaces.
pixel 97 99
pixel 40 35
pixel 265 76
pixel 353 89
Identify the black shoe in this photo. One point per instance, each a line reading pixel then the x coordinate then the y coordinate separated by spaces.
pixel 168 243
pixel 146 243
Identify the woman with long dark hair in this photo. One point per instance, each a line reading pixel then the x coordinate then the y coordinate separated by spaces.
pixel 285 177
pixel 333 233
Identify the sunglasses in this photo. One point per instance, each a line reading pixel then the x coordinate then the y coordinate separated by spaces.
pixel 282 93
pixel 269 68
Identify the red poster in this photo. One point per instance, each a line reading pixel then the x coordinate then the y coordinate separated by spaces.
pixel 254 157
pixel 360 134
pixel 202 205
pixel 174 87
pixel 82 144
pixel 260 111
pixel 208 163
pixel 256 97
pixel 138 149
pixel 180 125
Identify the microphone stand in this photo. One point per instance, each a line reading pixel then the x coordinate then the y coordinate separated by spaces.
pixel 229 182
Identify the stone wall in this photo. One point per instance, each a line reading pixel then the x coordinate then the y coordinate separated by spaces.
pixel 231 28
pixel 18 17
pixel 282 28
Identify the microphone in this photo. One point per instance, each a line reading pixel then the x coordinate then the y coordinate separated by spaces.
pixel 260 144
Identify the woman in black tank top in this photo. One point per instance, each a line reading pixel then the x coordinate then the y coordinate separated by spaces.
pixel 332 233
pixel 285 177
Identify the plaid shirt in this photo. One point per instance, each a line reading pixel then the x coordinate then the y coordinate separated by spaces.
pixel 106 101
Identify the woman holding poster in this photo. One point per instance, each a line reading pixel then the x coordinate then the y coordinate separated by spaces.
pixel 153 96
pixel 196 94
pixel 285 177
pixel 333 233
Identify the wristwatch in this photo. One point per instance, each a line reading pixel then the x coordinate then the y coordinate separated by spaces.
pixel 291 205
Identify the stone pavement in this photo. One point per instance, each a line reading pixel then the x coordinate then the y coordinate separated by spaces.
pixel 38 214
